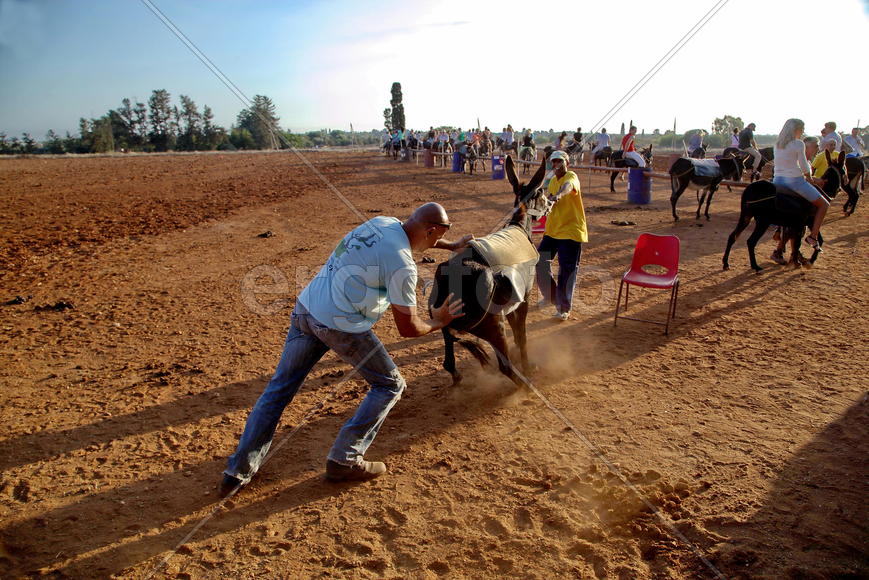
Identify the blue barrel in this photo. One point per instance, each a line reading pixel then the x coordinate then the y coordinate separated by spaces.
pixel 639 186
pixel 457 162
pixel 497 167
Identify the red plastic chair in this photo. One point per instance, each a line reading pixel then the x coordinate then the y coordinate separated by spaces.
pixel 653 250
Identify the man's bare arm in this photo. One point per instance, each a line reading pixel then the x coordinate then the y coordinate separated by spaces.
pixel 410 324
pixel 455 246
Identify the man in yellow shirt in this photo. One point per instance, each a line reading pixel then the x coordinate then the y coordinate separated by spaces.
pixel 563 238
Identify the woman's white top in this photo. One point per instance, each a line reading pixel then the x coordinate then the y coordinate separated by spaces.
pixel 791 161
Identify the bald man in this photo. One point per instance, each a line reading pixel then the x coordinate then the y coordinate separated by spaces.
pixel 371 269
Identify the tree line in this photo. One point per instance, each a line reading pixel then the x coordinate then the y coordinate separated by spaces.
pixel 159 125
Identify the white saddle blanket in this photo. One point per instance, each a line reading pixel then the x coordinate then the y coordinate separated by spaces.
pixel 511 255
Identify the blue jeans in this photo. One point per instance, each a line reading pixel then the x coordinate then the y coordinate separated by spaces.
pixel 568 252
pixel 307 342
pixel 798 185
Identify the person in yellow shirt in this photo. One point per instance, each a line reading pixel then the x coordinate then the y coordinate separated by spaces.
pixel 819 163
pixel 563 237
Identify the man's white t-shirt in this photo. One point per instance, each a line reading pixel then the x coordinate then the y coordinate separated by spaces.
pixel 371 268
pixel 855 144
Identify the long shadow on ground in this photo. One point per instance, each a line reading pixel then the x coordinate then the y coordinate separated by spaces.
pixel 817 508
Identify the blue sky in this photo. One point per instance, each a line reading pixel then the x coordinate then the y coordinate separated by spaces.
pixel 329 64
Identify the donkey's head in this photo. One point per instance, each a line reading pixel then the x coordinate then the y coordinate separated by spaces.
pixel 529 196
pixel 524 192
pixel 834 175
pixel 647 154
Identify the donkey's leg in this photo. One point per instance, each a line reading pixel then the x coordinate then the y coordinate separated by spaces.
pixel 744 220
pixel 491 329
pixel 701 197
pixel 450 355
pixel 517 324
pixel 712 189
pixel 759 229
pixel 678 186
pixel 853 195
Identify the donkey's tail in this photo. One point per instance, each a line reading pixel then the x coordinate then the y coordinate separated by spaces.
pixel 475 349
pixel 519 213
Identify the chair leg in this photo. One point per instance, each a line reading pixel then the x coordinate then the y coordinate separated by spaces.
pixel 671 310
pixel 676 298
pixel 618 303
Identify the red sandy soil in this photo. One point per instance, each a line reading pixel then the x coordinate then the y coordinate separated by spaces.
pixel 745 429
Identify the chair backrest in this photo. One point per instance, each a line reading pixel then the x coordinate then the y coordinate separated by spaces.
pixel 655 250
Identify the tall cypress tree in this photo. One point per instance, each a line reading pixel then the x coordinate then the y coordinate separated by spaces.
pixel 397 107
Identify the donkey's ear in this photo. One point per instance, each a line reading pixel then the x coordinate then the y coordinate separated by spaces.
pixel 827 155
pixel 841 160
pixel 538 177
pixel 511 174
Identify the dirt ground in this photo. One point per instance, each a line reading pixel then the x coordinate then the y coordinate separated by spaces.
pixel 152 314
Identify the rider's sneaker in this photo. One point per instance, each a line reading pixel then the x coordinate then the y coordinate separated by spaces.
pixel 810 240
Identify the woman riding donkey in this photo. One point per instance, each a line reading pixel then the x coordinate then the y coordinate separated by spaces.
pixel 792 171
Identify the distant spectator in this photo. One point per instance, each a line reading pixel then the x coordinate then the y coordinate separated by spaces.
pixel 855 142
pixel 828 133
pixel 695 142
pixel 601 141
pixel 749 145
pixel 629 149
pixel 509 137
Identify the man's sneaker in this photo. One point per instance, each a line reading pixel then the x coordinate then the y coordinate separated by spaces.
pixel 359 472
pixel 778 257
pixel 543 304
pixel 561 315
pixel 229 484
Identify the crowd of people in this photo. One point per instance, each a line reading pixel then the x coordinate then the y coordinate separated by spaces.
pixel 523 143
